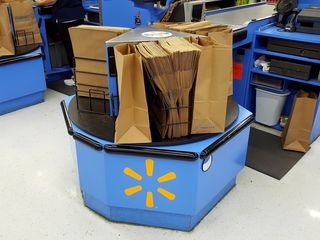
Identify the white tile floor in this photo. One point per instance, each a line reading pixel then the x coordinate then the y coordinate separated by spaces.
pixel 40 199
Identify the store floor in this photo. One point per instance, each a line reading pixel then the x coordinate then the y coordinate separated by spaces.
pixel 40 198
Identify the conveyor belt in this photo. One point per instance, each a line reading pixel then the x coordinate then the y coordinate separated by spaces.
pixel 239 18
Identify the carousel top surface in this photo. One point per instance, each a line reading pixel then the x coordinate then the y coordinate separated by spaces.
pixel 100 127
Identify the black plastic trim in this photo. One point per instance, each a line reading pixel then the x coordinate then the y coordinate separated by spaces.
pixel 240 35
pixel 112 62
pixel 66 118
pixel 179 155
pixel 224 139
pixel 88 141
pixel 78 136
pixel 19 59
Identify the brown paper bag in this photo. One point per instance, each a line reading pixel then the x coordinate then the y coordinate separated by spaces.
pixel 296 135
pixel 6 41
pixel 25 25
pixel 132 124
pixel 224 35
pixel 211 88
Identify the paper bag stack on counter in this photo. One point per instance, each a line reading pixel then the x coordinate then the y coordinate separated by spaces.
pixel 172 66
pixel 189 78
pixel 221 34
pixel 18 26
pixel 88 43
pixel 26 28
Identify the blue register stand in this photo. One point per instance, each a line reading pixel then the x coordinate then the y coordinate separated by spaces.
pixel 22 81
pixel 171 186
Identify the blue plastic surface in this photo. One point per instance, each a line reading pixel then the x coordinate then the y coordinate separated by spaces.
pixel 283 55
pixel 22 83
pixel 292 36
pixel 192 192
pixel 315 133
pixel 305 3
pixel 313 82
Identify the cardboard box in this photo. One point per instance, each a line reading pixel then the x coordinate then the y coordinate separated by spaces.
pixel 89 41
pixel 91 66
pixel 96 92
pixel 92 79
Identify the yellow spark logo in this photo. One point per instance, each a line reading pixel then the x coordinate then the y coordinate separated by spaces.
pixel 149 171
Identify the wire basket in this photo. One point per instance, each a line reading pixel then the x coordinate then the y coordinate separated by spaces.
pixel 170 121
pixel 23 38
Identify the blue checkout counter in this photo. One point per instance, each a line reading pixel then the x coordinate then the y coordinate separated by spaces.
pixel 163 184
pixel 169 184
pixel 22 82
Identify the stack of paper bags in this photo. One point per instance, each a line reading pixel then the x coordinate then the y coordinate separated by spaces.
pixel 88 43
pixel 26 30
pixel 18 26
pixel 221 34
pixel 172 66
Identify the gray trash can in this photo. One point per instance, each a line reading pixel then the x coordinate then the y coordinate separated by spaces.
pixel 269 106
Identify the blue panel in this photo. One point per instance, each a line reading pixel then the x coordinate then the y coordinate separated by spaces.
pixel 21 78
pixel 283 55
pixel 21 102
pixel 292 36
pixel 22 83
pixel 91 167
pixel 227 162
pixel 119 186
pixel 304 3
pixel 316 123
pixel 182 186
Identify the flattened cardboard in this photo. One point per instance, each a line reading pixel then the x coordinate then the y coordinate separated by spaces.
pixel 92 79
pixel 91 66
pixel 89 41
